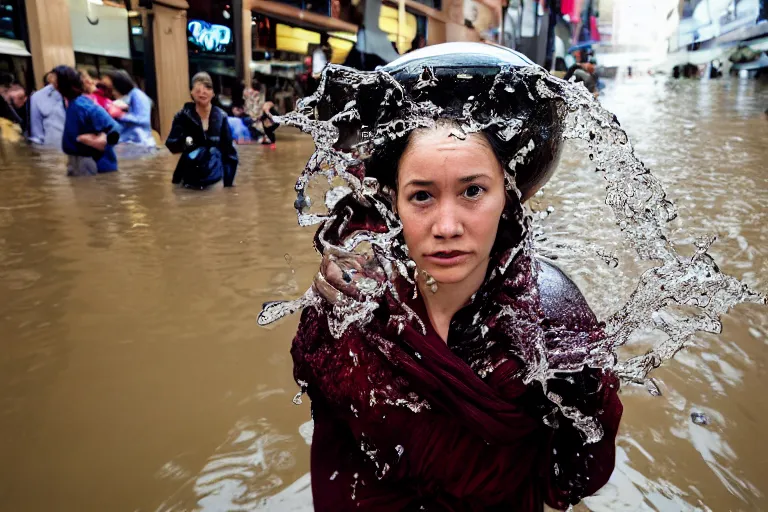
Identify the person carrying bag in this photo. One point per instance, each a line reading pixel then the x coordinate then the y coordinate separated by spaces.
pixel 200 132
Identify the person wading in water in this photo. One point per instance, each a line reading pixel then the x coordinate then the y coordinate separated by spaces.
pixel 200 132
pixel 428 404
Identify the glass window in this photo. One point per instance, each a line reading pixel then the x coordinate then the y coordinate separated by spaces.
pixel 435 4
pixel 136 28
pixel 388 22
pixel 11 19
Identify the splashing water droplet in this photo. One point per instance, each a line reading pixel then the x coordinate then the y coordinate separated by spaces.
pixel 636 198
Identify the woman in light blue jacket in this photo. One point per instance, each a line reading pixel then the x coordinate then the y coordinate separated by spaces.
pixel 135 113
pixel 47 113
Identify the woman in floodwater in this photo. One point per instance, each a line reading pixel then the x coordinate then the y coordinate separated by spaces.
pixel 201 133
pixel 428 404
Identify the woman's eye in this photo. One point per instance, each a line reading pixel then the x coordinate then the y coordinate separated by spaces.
pixel 421 196
pixel 473 191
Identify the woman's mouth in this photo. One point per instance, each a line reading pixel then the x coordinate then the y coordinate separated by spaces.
pixel 447 258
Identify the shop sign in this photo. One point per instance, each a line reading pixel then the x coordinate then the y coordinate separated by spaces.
pixel 209 37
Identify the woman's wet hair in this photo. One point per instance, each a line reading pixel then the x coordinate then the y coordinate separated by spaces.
pixel 69 82
pixel 385 159
pixel 203 79
pixel 121 81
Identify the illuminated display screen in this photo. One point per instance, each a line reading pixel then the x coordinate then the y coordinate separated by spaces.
pixel 208 37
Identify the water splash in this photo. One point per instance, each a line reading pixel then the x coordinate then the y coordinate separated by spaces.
pixel 679 296
pixel 641 211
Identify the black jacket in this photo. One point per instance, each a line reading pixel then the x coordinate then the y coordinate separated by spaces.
pixel 215 146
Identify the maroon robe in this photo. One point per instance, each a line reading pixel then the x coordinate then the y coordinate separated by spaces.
pixel 479 444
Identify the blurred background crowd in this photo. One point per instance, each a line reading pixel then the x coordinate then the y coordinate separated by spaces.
pixel 263 55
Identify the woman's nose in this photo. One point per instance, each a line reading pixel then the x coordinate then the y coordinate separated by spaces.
pixel 447 223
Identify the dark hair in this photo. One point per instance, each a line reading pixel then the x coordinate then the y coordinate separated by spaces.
pixel 6 79
pixel 417 41
pixel 69 83
pixel 202 78
pixel 45 77
pixel 121 81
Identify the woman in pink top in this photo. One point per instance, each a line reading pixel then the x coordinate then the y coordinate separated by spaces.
pixel 93 92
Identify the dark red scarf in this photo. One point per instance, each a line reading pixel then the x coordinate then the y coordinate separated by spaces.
pixel 478 379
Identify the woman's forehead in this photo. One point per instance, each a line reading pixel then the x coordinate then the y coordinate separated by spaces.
pixel 437 155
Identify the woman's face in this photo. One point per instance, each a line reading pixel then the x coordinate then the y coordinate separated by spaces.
pixel 202 95
pixel 89 84
pixel 109 87
pixel 450 197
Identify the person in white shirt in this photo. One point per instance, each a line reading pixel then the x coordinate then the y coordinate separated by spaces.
pixel 320 57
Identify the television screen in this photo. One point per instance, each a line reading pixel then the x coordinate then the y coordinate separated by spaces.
pixel 208 37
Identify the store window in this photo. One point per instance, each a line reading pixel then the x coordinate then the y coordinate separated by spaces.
pixel 136 32
pixel 388 22
pixel 341 44
pixel 15 61
pixel 97 65
pixel 12 19
pixel 435 4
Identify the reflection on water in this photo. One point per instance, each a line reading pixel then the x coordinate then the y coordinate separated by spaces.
pixel 133 376
pixel 241 472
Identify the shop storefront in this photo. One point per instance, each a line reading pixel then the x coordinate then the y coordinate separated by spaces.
pixel 100 37
pixel 211 45
pixel 285 39
pixel 15 58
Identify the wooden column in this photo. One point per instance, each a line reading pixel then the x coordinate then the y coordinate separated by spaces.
pixel 435 31
pixel 247 38
pixel 50 35
pixel 171 59
pixel 402 46
pixel 454 26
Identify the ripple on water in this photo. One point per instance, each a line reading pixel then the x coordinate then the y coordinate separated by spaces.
pixel 243 472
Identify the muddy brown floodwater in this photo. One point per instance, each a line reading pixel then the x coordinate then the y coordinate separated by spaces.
pixel 133 376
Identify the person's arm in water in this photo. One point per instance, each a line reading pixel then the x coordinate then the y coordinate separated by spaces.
pixel 228 154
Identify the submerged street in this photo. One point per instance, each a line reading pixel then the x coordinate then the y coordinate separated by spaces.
pixel 133 375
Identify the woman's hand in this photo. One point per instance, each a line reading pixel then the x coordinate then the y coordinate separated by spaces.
pixel 115 111
pixel 351 275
